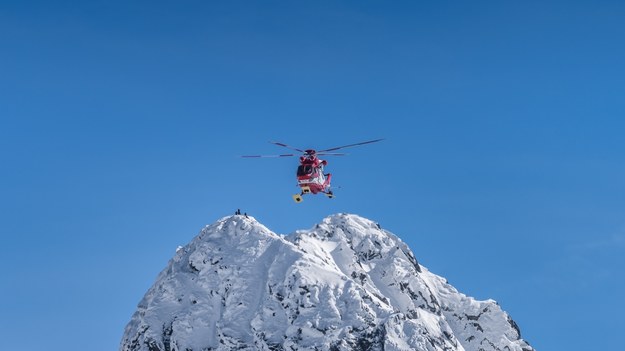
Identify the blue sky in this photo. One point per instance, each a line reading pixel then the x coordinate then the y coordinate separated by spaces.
pixel 502 166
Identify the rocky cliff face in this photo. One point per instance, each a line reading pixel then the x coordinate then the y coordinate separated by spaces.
pixel 346 284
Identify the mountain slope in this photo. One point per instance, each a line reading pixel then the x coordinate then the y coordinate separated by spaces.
pixel 346 284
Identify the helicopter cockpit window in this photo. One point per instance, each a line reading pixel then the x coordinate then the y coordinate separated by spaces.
pixel 304 170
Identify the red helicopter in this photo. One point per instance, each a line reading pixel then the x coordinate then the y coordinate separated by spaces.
pixel 310 176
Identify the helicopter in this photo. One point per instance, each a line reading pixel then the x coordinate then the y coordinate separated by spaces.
pixel 310 173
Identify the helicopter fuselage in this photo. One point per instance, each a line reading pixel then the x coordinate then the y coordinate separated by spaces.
pixel 310 176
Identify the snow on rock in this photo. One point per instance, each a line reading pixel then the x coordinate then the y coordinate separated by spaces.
pixel 345 284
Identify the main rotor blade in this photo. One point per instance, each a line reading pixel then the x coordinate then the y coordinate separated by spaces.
pixel 350 145
pixel 257 156
pixel 330 154
pixel 287 146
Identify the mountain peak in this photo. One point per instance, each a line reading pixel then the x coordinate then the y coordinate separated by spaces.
pixel 363 236
pixel 234 227
pixel 348 227
pixel 345 284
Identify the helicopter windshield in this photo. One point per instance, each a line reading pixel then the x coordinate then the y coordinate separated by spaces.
pixel 304 170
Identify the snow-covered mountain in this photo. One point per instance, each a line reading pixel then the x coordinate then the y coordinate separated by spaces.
pixel 345 284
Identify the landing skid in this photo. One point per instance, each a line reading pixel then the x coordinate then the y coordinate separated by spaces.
pixel 299 197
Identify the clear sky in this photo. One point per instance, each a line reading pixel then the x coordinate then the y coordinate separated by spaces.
pixel 503 164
